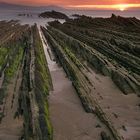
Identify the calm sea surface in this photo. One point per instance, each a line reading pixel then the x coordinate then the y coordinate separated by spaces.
pixel 13 14
pixel 108 13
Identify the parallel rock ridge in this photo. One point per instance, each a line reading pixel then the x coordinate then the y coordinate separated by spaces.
pixel 116 43
pixel 99 58
pixel 107 46
pixel 24 84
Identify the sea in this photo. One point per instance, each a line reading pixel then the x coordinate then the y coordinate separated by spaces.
pixel 14 15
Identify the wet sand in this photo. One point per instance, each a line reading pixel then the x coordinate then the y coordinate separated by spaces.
pixel 69 120
pixel 122 110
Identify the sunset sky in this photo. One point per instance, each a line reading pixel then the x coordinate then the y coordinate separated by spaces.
pixel 93 4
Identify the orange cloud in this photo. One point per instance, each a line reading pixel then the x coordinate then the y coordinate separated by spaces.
pixel 79 3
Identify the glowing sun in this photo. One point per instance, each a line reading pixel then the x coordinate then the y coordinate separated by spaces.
pixel 122 7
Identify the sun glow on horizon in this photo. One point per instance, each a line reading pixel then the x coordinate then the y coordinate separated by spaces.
pixel 120 7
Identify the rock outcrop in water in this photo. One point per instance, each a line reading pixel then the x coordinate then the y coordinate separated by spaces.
pixel 53 14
